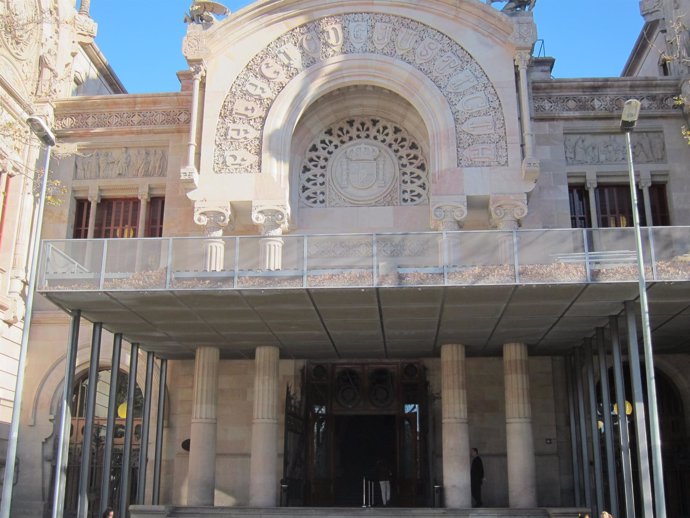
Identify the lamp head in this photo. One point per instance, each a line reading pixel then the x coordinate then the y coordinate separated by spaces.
pixel 41 130
pixel 631 112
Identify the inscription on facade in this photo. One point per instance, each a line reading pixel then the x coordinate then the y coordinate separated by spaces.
pixel 479 120
pixel 609 148
pixel 121 163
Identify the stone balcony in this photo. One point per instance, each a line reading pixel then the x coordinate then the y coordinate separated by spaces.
pixel 371 295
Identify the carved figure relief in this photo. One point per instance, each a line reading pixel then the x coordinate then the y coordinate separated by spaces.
pixel 476 108
pixel 610 148
pixel 363 161
pixel 121 163
pixel 19 26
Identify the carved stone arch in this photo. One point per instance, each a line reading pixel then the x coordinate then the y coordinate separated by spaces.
pixel 319 52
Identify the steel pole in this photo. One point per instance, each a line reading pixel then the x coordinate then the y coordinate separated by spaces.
pixel 623 437
pixel 85 465
pixel 608 422
pixel 11 452
pixel 110 423
pixel 594 429
pixel 65 419
pixel 145 422
pixel 587 479
pixel 577 474
pixel 159 432
pixel 129 428
pixel 654 432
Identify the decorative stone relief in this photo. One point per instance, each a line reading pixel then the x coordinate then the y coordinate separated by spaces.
pixel 476 108
pixel 130 162
pixel 271 217
pixel 19 26
pixel 610 148
pixel 524 32
pixel 604 103
pixel 363 161
pixel 507 209
pixel 122 119
pixel 448 212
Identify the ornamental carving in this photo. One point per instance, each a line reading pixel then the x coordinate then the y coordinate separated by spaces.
pixel 476 108
pixel 363 161
pixel 122 119
pixel 598 103
pixel 19 26
pixel 121 163
pixel 610 148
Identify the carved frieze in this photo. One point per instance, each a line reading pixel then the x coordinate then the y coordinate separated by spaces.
pixel 610 148
pixel 476 108
pixel 593 103
pixel 133 162
pixel 122 119
pixel 363 161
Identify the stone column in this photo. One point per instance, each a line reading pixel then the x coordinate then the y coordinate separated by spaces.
pixel 272 219
pixel 94 200
pixel 202 452
pixel 522 486
pixel 507 210
pixel 189 172
pixel 143 210
pixel 447 215
pixel 530 164
pixel 214 218
pixel 644 183
pixel 263 477
pixel 455 430
pixel 591 185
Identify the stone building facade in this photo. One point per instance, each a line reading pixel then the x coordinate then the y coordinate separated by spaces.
pixel 366 237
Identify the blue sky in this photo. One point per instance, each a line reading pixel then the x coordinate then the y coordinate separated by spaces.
pixel 143 40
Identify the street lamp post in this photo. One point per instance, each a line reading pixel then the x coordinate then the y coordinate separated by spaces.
pixel 41 130
pixel 631 112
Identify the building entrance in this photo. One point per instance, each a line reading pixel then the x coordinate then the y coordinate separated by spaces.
pixel 361 421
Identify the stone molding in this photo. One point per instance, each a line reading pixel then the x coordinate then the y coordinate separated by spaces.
pixel 214 216
pixel 448 212
pixel 507 210
pixel 474 103
pixel 122 119
pixel 272 217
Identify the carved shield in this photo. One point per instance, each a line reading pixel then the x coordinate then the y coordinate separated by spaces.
pixel 405 40
pixel 247 109
pixel 474 102
pixel 426 51
pixel 239 158
pixel 481 153
pixel 311 44
pixel 479 125
pixel 270 69
pixel 257 89
pixel 359 33
pixel 334 35
pixel 382 34
pixel 461 82
pixel 362 173
pixel 241 132
pixel 290 56
pixel 448 63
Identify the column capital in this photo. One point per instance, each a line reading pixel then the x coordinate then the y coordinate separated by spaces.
pixel 271 217
pixel 448 212
pixel 214 216
pixel 143 193
pixel 507 210
pixel 198 70
pixel 94 195
pixel 522 59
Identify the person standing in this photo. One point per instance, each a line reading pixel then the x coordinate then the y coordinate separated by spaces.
pixel 476 477
pixel 383 473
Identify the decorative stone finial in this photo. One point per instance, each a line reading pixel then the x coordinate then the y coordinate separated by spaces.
pixel 205 12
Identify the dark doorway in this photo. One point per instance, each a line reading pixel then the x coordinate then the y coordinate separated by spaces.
pixel 362 441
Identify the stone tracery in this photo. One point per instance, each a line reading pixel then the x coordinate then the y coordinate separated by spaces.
pixel 475 106
pixel 363 161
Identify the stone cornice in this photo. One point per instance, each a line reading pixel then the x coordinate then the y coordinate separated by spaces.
pixel 603 98
pixel 168 112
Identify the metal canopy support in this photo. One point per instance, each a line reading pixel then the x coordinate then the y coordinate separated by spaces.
pixel 129 427
pixel 577 474
pixel 85 466
pixel 146 420
pixel 608 421
pixel 624 439
pixel 639 413
pixel 110 423
pixel 594 429
pixel 65 419
pixel 583 429
pixel 159 432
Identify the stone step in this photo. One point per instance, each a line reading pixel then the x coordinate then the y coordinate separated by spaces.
pixel 348 512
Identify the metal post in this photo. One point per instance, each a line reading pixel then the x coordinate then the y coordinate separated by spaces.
pixel 11 451
pixel 626 463
pixel 594 430
pixel 608 422
pixel 129 427
pixel 573 431
pixel 654 432
pixel 110 423
pixel 145 425
pixel 85 466
pixel 583 429
pixel 65 419
pixel 639 412
pixel 159 433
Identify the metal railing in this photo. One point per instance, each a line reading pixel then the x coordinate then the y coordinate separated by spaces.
pixel 461 258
